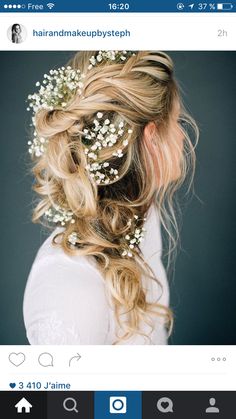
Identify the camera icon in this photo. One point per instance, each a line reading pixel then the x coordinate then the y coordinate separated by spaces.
pixel 118 404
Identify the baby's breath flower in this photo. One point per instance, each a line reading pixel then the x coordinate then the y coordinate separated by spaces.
pixel 55 92
pixel 103 134
pixel 118 153
pixel 37 146
pixel 109 56
pixel 57 89
pixel 60 86
pixel 134 237
pixel 72 238
pixel 59 215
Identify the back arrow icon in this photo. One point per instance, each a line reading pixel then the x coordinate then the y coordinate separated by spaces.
pixel 74 358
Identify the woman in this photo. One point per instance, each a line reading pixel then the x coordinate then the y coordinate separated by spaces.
pixel 110 153
pixel 16 34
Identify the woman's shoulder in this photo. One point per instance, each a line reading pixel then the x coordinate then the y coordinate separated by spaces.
pixel 64 290
pixel 50 250
pixel 52 263
pixel 51 253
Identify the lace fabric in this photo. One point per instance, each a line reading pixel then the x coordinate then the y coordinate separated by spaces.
pixel 53 331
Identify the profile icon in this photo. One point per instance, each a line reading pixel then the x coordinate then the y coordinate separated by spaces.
pixel 16 33
pixel 16 36
pixel 212 408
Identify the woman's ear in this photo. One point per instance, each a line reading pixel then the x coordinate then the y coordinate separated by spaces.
pixel 149 131
pixel 150 138
pixel 149 135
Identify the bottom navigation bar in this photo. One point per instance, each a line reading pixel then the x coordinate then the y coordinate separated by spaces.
pixel 129 404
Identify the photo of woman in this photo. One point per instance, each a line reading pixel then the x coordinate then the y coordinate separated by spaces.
pixel 111 147
pixel 16 35
pixel 117 197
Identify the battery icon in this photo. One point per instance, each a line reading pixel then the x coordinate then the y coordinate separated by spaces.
pixel 225 6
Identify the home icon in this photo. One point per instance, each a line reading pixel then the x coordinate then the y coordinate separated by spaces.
pixel 23 406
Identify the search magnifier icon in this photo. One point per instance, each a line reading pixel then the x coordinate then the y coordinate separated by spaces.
pixel 70 405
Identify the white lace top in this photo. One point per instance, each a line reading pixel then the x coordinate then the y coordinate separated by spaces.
pixel 65 300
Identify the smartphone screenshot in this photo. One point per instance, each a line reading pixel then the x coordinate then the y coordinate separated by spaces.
pixel 117 285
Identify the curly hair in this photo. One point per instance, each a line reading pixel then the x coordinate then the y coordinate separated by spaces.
pixel 141 90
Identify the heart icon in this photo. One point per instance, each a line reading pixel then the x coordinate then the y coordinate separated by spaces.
pixel 17 359
pixel 12 385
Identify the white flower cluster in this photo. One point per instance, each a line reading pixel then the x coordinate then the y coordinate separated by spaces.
pixel 38 145
pixel 133 238
pixel 59 215
pixel 104 134
pixel 116 56
pixel 57 89
pixel 72 238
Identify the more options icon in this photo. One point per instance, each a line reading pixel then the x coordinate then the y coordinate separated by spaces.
pixel 165 405
pixel 118 404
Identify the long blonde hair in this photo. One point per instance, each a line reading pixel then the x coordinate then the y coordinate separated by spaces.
pixel 140 90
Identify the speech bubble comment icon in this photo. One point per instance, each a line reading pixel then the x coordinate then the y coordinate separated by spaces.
pixel 165 405
pixel 45 359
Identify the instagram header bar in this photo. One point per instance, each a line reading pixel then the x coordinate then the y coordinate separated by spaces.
pixel 166 31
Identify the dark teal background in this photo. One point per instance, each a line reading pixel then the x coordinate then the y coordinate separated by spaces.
pixel 204 287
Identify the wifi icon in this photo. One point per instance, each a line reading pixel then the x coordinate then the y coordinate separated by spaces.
pixel 50 5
